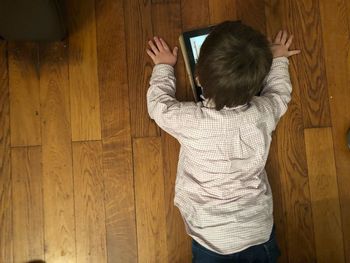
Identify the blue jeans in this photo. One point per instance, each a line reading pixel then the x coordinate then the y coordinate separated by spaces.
pixel 267 252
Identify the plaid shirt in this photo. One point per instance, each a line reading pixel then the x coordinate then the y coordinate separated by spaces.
pixel 222 190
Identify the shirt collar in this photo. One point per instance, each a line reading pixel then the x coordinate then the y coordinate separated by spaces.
pixel 211 104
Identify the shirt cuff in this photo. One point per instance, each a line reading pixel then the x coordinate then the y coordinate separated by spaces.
pixel 280 60
pixel 166 68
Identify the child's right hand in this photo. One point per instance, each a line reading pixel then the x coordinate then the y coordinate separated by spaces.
pixel 280 46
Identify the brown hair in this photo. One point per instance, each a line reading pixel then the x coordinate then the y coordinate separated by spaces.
pixel 233 62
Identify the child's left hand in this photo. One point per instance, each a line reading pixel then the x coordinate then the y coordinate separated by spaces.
pixel 160 53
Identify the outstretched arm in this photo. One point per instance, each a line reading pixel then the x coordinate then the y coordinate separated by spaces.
pixel 161 102
pixel 278 88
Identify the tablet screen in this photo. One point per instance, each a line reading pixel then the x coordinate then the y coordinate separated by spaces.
pixel 196 43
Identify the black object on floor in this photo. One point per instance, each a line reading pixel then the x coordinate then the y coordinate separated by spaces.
pixel 32 20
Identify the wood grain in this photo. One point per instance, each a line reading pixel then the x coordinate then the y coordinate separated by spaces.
pixel 221 10
pixel 6 241
pixel 83 80
pixel 324 195
pixel 149 194
pixel 57 154
pixel 23 66
pixel 292 159
pixel 335 18
pixel 251 12
pixel 138 28
pixel 116 133
pixel 274 20
pixel 279 214
pixel 293 170
pixel 194 20
pixel 303 20
pixel 28 224
pixel 119 200
pixel 166 20
pixel 89 202
pixel 165 2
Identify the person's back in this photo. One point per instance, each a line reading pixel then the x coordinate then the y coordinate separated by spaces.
pixel 221 188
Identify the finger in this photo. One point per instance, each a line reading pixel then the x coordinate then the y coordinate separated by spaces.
pixel 293 52
pixel 289 41
pixel 150 53
pixel 158 43
pixel 278 37
pixel 175 51
pixel 269 39
pixel 284 37
pixel 165 45
pixel 153 47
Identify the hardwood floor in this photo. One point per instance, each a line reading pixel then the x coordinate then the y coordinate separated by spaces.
pixel 87 176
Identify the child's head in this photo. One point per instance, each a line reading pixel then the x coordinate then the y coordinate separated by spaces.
pixel 233 62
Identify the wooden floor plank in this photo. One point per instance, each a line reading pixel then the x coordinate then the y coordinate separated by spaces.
pixel 274 22
pixel 335 18
pixel 89 202
pixel 6 241
pixel 28 224
pixel 251 12
pixel 116 133
pixel 138 28
pixel 149 193
pixel 303 20
pixel 199 18
pixel 57 155
pixel 221 10
pixel 166 19
pixel 295 186
pixel 273 173
pixel 119 200
pixel 24 94
pixel 85 106
pixel 324 195
pixel 291 155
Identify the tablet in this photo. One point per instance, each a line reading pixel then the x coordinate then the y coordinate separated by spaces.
pixel 191 43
